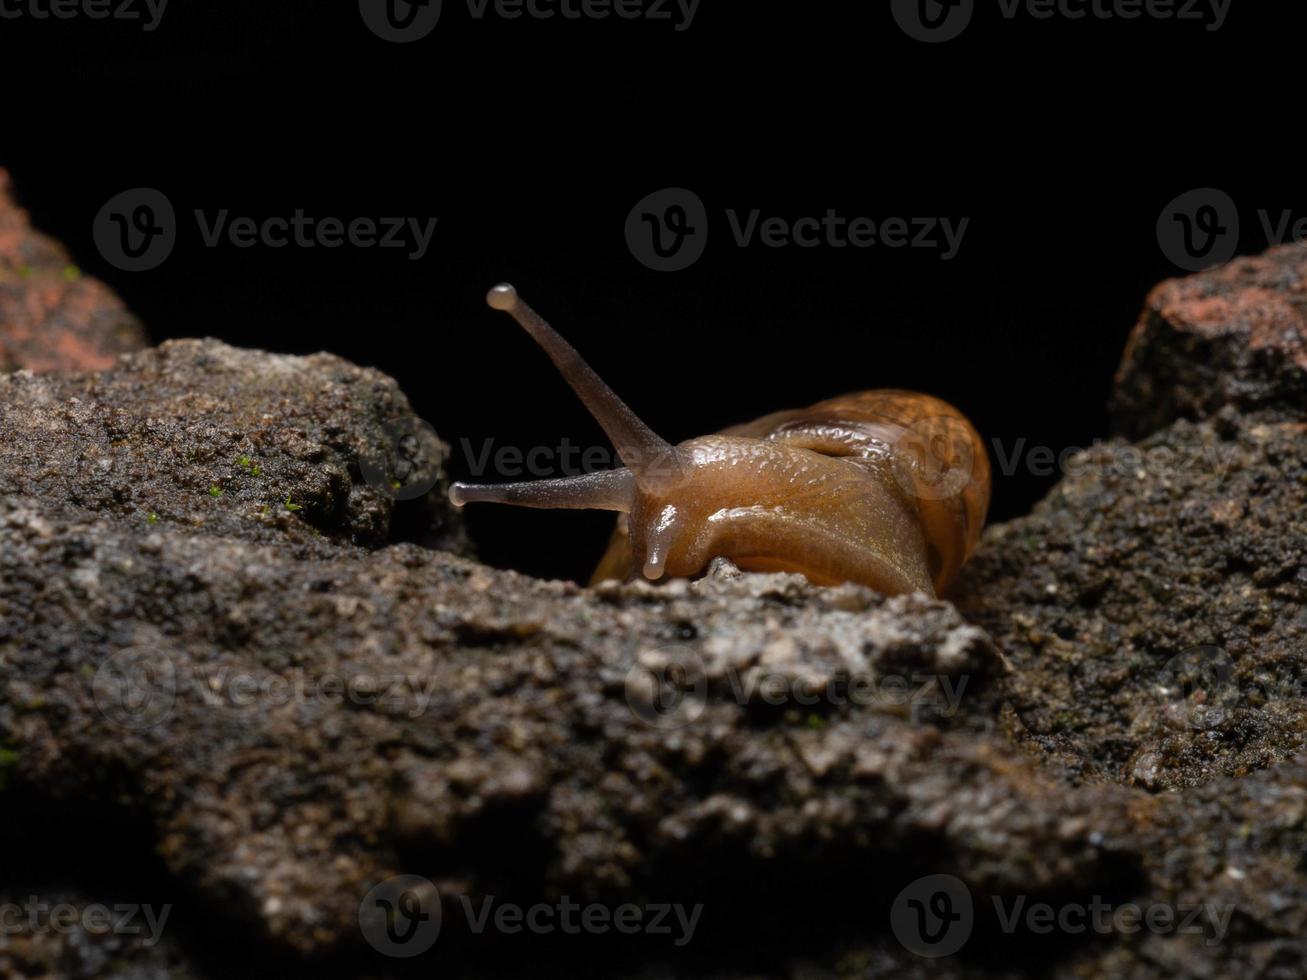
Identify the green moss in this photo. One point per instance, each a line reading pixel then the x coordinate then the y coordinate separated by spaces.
pixel 152 519
pixel 215 491
pixel 292 506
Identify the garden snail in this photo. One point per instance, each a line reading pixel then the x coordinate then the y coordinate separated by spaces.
pixel 886 488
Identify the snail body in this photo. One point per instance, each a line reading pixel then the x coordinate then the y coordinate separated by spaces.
pixel 886 488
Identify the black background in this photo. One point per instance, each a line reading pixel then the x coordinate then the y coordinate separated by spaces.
pixel 531 140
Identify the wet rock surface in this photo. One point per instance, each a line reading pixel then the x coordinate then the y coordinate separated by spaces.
pixel 52 317
pixel 275 709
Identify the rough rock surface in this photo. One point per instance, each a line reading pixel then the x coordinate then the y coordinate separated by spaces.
pixel 53 318
pixel 271 710
pixel 220 441
pixel 1235 335
pixel 1154 605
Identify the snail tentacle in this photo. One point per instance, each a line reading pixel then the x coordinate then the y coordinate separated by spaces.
pixel 602 490
pixel 653 461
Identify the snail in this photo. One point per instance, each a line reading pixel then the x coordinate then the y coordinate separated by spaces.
pixel 885 488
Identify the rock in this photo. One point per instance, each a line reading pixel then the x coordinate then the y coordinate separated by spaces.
pixel 304 726
pixel 1235 335
pixel 53 318
pixel 219 441
pixel 1152 605
pixel 226 655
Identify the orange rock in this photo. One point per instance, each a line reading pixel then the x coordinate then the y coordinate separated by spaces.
pixel 53 318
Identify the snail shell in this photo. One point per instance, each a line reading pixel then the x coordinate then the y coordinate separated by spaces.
pixel 887 488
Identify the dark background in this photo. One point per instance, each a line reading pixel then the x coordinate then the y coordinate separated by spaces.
pixel 531 140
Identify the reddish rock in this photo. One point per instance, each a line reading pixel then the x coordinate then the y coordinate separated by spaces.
pixel 1236 335
pixel 53 318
